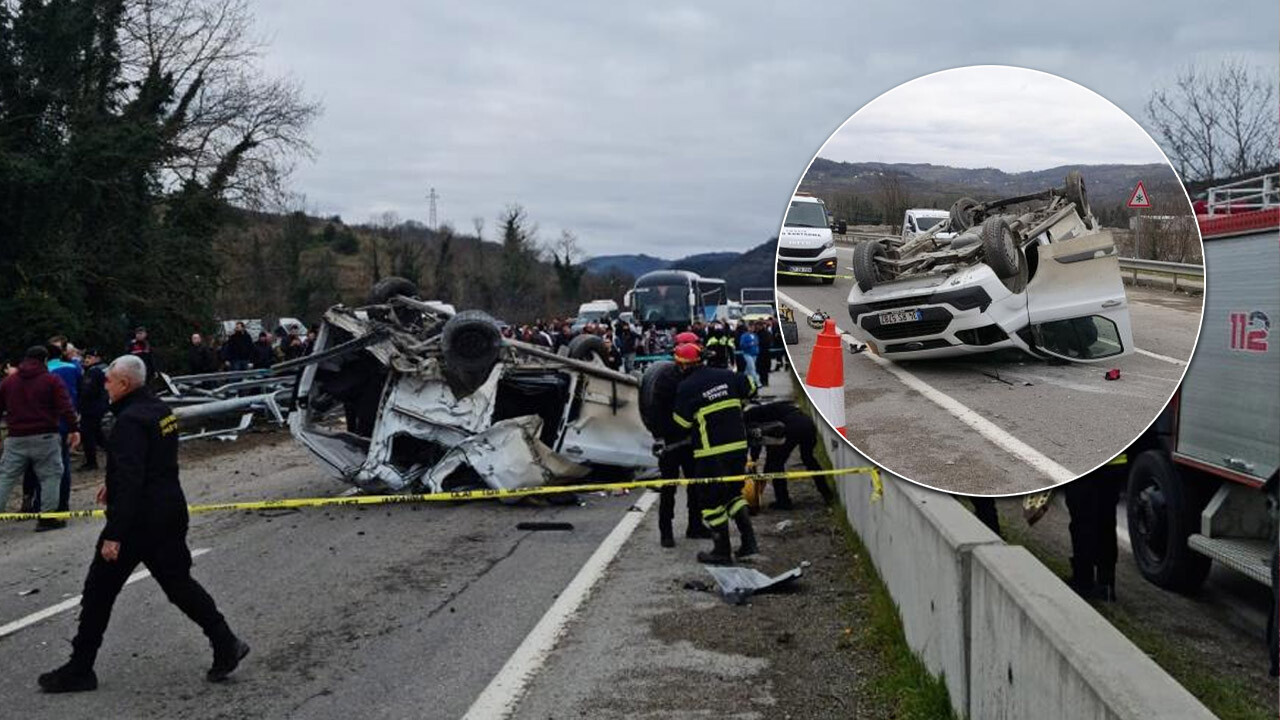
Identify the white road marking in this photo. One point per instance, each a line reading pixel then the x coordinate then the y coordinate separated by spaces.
pixel 1158 356
pixel 984 427
pixel 69 603
pixel 502 695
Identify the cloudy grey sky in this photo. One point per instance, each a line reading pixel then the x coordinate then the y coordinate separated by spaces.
pixel 665 127
pixel 1009 118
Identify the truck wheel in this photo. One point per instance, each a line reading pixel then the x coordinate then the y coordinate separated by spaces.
pixel 962 214
pixel 654 375
pixel 865 272
pixel 471 342
pixel 1162 514
pixel 1001 247
pixel 389 287
pixel 1076 193
pixel 587 347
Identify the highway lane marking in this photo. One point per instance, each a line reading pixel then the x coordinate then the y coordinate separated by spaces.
pixel 500 698
pixel 984 427
pixel 69 603
pixel 1158 356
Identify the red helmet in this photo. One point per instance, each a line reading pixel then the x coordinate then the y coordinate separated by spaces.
pixel 688 354
pixel 688 337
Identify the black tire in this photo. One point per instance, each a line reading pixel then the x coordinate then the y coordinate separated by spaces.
pixel 389 287
pixel 1077 193
pixel 654 376
pixel 1001 247
pixel 471 342
pixel 962 215
pixel 865 272
pixel 1163 512
pixel 587 347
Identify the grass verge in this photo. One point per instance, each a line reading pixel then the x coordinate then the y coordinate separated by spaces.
pixel 900 682
pixel 1224 693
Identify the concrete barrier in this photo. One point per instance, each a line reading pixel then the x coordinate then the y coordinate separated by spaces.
pixel 1008 637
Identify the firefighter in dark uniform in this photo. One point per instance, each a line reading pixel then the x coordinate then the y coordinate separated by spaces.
pixel 799 431
pixel 676 456
pixel 709 405
pixel 147 524
pixel 1092 500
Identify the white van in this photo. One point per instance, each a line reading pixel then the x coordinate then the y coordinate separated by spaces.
pixel 805 244
pixel 596 311
pixel 921 220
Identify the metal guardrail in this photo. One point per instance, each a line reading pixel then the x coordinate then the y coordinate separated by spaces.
pixel 1139 266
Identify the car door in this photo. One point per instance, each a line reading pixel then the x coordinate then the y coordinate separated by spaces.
pixel 1076 303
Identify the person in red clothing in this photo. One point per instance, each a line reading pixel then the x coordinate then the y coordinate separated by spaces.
pixel 32 401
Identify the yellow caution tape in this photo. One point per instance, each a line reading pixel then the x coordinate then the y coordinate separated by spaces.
pixel 813 275
pixel 1120 459
pixel 483 494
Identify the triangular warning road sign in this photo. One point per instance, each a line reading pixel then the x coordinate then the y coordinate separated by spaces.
pixel 1139 197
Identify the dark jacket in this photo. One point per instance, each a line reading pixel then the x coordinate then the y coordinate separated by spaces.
pixel 239 347
pixel 33 400
pixel 201 359
pixel 93 391
pixel 143 493
pixel 264 355
pixel 709 405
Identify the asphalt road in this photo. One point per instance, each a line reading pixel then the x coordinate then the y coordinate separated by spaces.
pixel 1003 422
pixel 402 611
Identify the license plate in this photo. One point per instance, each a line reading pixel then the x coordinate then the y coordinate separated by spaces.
pixel 801 268
pixel 893 317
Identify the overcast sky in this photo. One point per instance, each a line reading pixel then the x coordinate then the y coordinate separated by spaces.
pixel 661 127
pixel 1009 118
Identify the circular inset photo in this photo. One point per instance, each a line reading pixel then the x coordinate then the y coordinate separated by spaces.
pixel 994 279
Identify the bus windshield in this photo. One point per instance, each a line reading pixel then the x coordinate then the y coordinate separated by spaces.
pixel 663 305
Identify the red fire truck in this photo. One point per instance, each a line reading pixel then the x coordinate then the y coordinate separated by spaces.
pixel 1196 477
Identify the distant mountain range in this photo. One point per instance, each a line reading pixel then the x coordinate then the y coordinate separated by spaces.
pixel 1108 185
pixel 753 268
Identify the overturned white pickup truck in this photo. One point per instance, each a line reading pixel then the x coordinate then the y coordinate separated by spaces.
pixel 1033 272
pixel 406 394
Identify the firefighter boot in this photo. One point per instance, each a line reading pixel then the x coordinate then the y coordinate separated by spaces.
pixel 666 509
pixel 748 547
pixel 228 651
pixel 1105 590
pixel 720 552
pixel 73 677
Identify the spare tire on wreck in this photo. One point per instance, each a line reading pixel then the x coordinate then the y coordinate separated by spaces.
pixel 585 346
pixel 865 272
pixel 471 342
pixel 1000 246
pixel 655 376
pixel 389 287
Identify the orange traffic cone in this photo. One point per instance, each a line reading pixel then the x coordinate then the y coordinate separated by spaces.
pixel 825 380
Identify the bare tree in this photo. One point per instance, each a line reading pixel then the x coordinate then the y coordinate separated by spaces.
pixel 1217 123
pixel 233 129
pixel 893 198
pixel 477 222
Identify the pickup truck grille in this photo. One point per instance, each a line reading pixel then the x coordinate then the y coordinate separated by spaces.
pixel 933 320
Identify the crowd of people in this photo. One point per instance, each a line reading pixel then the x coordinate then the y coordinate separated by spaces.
pixel 756 345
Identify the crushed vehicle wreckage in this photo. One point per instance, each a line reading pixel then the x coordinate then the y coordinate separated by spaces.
pixel 407 394
pixel 1033 272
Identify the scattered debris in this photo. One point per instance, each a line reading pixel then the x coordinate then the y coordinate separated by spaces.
pixel 782 526
pixel 1113 374
pixel 24 593
pixel 737 583
pixel 544 526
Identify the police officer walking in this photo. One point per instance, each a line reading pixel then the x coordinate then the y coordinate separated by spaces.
pixel 709 404
pixel 146 523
